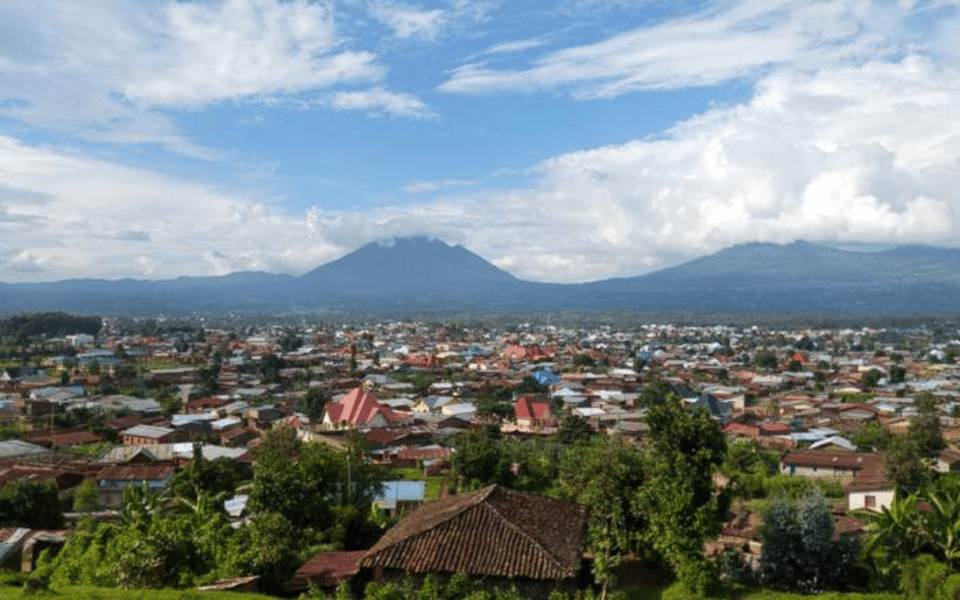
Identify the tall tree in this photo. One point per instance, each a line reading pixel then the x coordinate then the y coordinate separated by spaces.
pixel 603 475
pixel 679 500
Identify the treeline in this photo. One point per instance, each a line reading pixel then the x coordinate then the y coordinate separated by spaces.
pixel 51 324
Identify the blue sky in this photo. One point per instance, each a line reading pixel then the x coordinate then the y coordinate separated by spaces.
pixel 564 141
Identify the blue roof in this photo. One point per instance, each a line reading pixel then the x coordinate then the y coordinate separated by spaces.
pixel 546 377
pixel 400 491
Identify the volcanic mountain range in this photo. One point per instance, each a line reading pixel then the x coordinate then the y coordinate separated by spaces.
pixel 419 274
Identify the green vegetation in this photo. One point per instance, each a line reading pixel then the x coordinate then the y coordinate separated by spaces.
pixel 50 324
pixel 101 593
pixel 306 497
pixel 660 502
pixel 33 504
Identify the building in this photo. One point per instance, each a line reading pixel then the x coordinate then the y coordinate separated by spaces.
pixel 113 481
pixel 508 538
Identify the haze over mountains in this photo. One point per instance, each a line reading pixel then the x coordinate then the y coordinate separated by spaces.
pixel 419 274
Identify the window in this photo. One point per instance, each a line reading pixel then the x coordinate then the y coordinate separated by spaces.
pixel 869 501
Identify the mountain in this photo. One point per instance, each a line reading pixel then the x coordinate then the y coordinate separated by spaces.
pixel 797 277
pixel 408 273
pixel 419 274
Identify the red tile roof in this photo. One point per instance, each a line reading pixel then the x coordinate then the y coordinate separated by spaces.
pixel 494 531
pixel 327 570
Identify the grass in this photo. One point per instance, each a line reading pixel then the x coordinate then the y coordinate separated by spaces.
pixel 674 591
pixel 94 593
pixel 162 364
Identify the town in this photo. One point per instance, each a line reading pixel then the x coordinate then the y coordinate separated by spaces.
pixel 307 459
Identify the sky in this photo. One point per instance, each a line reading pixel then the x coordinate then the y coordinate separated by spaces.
pixel 570 140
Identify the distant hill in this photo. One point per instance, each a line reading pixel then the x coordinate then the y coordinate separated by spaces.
pixel 413 274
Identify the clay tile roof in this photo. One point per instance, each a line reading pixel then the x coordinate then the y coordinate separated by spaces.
pixel 495 531
pixel 326 569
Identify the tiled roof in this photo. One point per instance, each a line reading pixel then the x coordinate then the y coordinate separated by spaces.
pixel 494 531
pixel 326 570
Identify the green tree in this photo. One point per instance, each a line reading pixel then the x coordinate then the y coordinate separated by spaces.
pixel 766 359
pixel 85 498
pixel 307 483
pixel 799 553
pixel 905 464
pixel 603 475
pixel 480 457
pixel 871 437
pixel 925 427
pixel 679 500
pixel 897 373
pixel 315 402
pixel 270 365
pixel 904 529
pixel 573 429
pixel 32 504
pixel 870 379
pixel 209 480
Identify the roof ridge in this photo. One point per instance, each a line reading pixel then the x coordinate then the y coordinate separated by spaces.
pixel 558 562
pixel 480 494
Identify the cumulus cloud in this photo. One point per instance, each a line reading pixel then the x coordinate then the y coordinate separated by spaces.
pixel 817 156
pixel 736 40
pixel 105 70
pixel 105 220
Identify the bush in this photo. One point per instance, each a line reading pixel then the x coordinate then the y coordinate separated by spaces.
pixel 926 578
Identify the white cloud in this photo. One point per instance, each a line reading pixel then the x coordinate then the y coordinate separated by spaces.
pixel 823 156
pixel 426 187
pixel 382 101
pixel 736 40
pixel 103 70
pixel 410 21
pixel 514 46
pixel 99 219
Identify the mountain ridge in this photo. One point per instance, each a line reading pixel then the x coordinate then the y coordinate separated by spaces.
pixel 411 274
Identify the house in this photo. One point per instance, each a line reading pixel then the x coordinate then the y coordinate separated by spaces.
pixel 506 537
pixel 360 408
pixel 870 492
pixel 326 571
pixel 825 464
pixel 948 461
pixel 113 481
pixel 143 435
pixel 531 413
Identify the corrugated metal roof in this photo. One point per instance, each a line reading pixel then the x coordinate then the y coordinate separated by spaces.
pixel 11 448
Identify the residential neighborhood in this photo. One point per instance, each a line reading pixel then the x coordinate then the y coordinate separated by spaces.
pixel 403 397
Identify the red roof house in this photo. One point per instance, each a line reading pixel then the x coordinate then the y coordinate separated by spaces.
pixel 531 412
pixel 360 408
